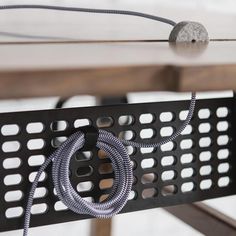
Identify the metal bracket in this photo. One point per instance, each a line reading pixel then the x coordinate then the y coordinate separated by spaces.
pixel 198 165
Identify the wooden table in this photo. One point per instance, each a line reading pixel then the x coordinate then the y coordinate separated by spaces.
pixel 66 69
pixel 63 53
pixel 46 53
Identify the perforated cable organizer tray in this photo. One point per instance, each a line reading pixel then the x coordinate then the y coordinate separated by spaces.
pixel 198 165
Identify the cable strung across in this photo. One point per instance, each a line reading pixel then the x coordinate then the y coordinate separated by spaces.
pixel 123 174
pixel 88 10
pixel 114 147
pixel 173 136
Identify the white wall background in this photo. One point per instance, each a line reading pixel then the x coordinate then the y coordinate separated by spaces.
pixel 227 6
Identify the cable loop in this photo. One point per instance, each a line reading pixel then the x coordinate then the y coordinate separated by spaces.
pixel 123 174
pixel 123 177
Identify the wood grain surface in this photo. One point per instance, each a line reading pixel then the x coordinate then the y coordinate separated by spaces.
pixel 48 56
pixel 66 69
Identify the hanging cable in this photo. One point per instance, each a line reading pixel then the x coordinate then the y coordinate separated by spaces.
pixel 114 147
pixel 89 10
pixel 123 175
pixel 173 136
pixel 66 193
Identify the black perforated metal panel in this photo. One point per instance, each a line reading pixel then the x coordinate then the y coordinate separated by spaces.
pixel 198 165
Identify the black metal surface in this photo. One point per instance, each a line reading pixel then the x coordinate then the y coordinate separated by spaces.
pixel 150 189
pixel 91 134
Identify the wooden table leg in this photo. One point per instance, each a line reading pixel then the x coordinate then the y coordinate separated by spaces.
pixel 101 227
pixel 205 219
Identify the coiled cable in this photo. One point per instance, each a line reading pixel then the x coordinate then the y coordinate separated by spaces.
pixel 123 175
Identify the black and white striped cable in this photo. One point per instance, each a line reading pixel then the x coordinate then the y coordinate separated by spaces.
pixel 114 147
pixel 123 176
pixel 88 10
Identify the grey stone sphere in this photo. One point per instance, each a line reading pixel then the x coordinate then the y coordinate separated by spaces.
pixel 189 31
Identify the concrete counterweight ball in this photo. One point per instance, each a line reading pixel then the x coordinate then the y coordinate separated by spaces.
pixel 188 31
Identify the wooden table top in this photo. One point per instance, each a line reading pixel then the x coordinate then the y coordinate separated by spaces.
pixel 47 53
pixel 66 56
